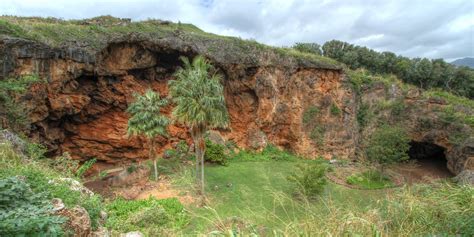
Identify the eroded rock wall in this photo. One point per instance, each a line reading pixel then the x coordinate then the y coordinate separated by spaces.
pixel 81 108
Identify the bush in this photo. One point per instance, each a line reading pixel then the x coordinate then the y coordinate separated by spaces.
pixel 371 179
pixel 146 214
pixel 150 216
pixel 215 153
pixel 310 113
pixel 25 213
pixel 64 164
pixel 335 110
pixel 38 174
pixel 309 180
pixel 10 108
pixel 85 167
pixel 388 145
pixel 363 115
pixel 269 153
pixel 317 135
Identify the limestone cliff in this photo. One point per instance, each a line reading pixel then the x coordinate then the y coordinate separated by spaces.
pixel 268 91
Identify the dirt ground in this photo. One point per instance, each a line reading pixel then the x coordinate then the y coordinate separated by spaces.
pixel 423 170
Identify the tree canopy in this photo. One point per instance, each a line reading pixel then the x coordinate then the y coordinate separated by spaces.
pixel 422 72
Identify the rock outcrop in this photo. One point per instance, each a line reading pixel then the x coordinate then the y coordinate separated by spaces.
pixel 307 106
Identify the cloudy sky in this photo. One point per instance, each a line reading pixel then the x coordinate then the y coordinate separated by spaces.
pixel 426 28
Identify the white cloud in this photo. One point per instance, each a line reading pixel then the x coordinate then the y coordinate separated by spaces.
pixel 410 27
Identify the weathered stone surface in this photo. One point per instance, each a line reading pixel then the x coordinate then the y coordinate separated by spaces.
pixel 81 109
pixel 78 221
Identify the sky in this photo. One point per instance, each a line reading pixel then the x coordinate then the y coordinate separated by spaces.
pixel 413 28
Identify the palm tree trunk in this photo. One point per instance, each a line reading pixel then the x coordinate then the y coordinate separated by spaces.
pixel 197 152
pixel 202 148
pixel 153 156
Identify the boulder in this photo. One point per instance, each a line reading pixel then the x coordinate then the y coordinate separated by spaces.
pixel 78 221
pixel 466 177
pixel 132 234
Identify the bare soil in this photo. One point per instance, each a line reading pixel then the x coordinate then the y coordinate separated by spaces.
pixel 423 170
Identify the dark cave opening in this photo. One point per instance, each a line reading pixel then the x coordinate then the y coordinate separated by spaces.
pixel 430 160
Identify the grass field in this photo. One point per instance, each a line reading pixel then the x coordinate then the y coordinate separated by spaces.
pixel 256 194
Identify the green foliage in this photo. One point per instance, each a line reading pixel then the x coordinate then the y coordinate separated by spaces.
pixel 146 215
pixel 215 153
pixel 269 153
pixel 85 167
pixel 371 179
pixel 388 145
pixel 25 213
pixel 308 48
pixel 64 164
pixel 335 110
pixel 39 174
pixel 132 168
pixel 35 150
pixel 363 115
pixel 309 180
pixel 11 108
pixel 198 95
pixel 310 113
pixel 199 101
pixel 441 209
pixel 146 117
pixel 424 73
pixel 317 135
pixel 396 107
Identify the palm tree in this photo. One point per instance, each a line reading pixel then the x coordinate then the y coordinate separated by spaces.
pixel 199 104
pixel 147 120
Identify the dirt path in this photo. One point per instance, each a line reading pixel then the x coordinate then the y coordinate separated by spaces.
pixel 162 190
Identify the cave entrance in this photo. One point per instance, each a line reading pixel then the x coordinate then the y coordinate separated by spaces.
pixel 428 160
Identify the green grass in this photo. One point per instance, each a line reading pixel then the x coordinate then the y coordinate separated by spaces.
pixel 259 193
pixel 261 201
pixel 132 215
pixel 370 180
pixel 95 33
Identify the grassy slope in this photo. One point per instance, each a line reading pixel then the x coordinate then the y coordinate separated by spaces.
pixel 260 201
pixel 261 195
pixel 96 32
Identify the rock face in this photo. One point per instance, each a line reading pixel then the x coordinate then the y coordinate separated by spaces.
pixel 81 107
pixel 307 108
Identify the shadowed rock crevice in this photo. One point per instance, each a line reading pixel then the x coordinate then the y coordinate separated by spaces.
pixel 430 157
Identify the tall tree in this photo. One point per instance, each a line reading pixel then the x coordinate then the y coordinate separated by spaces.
pixel 199 104
pixel 146 119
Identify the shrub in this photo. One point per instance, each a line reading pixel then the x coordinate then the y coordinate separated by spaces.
pixel 85 167
pixel 363 115
pixel 10 108
pixel 64 164
pixel 388 145
pixel 25 213
pixel 309 180
pixel 335 110
pixel 39 174
pixel 135 215
pixel 310 113
pixel 371 179
pixel 35 150
pixel 154 216
pixel 215 153
pixel 317 135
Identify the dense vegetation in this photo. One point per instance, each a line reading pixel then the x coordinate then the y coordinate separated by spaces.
pixel 12 113
pixel 29 184
pixel 422 72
